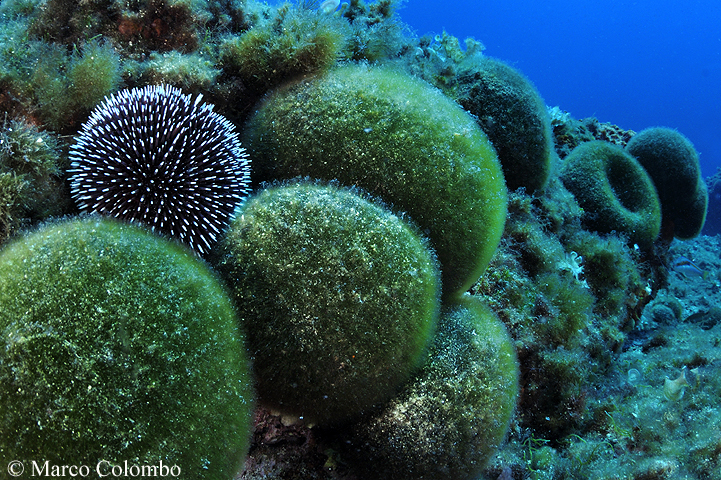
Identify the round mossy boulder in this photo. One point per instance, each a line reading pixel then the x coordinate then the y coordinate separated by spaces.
pixel 673 164
pixel 339 298
pixel 690 225
pixel 514 116
pixel 448 420
pixel 614 191
pixel 119 346
pixel 399 139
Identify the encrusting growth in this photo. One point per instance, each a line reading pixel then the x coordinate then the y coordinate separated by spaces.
pixel 117 345
pixel 338 296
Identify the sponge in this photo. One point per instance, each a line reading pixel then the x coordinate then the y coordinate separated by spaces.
pixel 400 139
pixel 672 163
pixel 338 295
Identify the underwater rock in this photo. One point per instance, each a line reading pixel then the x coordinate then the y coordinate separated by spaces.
pixel 706 319
pixel 339 298
pixel 118 345
pixel 400 139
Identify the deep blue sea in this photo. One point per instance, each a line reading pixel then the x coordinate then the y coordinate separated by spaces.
pixel 633 63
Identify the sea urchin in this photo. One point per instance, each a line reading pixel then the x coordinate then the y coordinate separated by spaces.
pixel 155 156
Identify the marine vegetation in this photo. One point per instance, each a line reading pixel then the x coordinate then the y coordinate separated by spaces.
pixel 427 184
pixel 338 295
pixel 505 104
pixel 297 42
pixel 614 191
pixel 449 419
pixel 672 163
pixel 99 361
pixel 512 113
pixel 398 138
pixel 31 177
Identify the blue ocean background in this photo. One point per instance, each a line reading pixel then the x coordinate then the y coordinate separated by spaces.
pixel 636 64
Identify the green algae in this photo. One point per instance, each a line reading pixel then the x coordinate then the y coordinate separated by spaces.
pixel 395 136
pixel 31 185
pixel 573 300
pixel 339 297
pixel 99 361
pixel 449 419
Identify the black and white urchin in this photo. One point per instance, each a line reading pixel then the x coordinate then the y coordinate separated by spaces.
pixel 161 158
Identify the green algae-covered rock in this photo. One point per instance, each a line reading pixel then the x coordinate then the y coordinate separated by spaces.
pixel 339 298
pixel 672 163
pixel 614 191
pixel 513 115
pixel 690 224
pixel 400 139
pixel 31 187
pixel 448 421
pixel 115 346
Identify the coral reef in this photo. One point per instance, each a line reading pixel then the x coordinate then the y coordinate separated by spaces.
pixel 99 361
pixel 614 191
pixel 395 136
pixel 339 298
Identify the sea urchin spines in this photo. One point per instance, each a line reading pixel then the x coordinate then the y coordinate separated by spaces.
pixel 155 156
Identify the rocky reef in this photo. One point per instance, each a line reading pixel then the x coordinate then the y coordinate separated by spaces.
pixel 569 339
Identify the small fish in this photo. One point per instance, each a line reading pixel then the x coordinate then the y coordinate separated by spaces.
pixel 687 268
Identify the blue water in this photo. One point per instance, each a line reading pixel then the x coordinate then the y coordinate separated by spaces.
pixel 633 63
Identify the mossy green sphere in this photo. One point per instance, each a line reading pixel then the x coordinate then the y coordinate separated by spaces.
pixel 339 298
pixel 120 346
pixel 672 163
pixel 448 421
pixel 614 191
pixel 512 113
pixel 690 225
pixel 399 139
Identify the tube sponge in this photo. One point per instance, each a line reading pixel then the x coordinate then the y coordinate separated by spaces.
pixel 400 139
pixel 117 345
pixel 448 421
pixel 338 295
pixel 672 163
pixel 614 191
